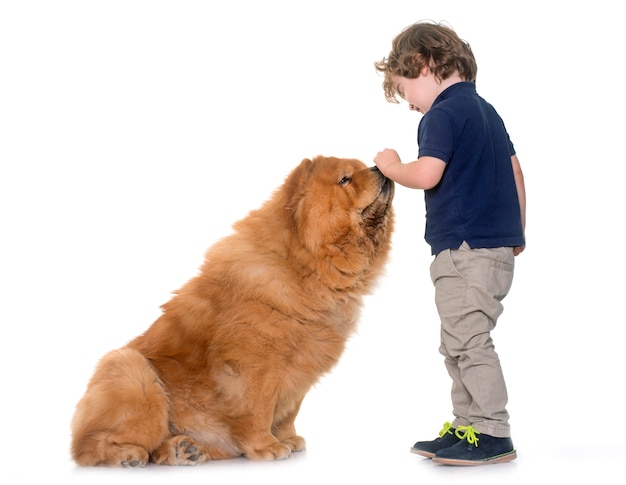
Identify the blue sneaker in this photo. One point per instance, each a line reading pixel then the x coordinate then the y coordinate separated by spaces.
pixel 472 450
pixel 447 438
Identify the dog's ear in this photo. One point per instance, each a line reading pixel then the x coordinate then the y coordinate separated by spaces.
pixel 304 214
pixel 291 192
pixel 302 171
pixel 296 182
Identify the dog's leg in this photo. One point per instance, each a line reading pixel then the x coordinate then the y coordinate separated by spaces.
pixel 252 428
pixel 285 430
pixel 123 414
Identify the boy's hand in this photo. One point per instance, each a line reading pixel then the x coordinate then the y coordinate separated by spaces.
pixel 385 158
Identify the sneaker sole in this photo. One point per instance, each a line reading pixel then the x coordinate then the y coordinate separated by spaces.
pixel 425 454
pixel 496 459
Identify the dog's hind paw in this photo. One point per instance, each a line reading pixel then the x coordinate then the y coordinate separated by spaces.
pixel 127 456
pixel 188 452
pixel 178 450
pixel 133 463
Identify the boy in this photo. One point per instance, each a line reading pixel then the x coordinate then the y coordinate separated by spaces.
pixel 475 219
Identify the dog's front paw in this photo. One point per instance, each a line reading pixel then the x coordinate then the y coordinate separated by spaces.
pixel 276 451
pixel 296 443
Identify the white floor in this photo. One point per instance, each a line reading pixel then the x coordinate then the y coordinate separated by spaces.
pixel 359 422
pixel 354 448
pixel 333 465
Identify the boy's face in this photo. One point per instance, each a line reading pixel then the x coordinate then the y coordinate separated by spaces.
pixel 419 92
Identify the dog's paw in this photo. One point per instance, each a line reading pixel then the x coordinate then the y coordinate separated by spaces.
pixel 276 451
pixel 296 443
pixel 132 463
pixel 189 454
pixel 178 450
pixel 129 456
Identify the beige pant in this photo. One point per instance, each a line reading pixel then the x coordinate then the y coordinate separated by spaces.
pixel 469 287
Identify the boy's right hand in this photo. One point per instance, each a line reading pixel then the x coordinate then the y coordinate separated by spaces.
pixel 386 157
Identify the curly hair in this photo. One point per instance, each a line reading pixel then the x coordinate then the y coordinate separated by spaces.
pixel 422 44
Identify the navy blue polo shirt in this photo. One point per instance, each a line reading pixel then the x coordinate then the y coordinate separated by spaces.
pixel 476 200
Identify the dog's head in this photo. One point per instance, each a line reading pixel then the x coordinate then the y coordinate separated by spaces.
pixel 342 213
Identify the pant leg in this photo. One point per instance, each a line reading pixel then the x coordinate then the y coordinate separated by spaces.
pixel 469 287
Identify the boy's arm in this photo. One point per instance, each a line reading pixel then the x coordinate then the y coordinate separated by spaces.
pixel 521 195
pixel 424 173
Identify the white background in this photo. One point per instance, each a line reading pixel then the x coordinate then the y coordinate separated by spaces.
pixel 133 134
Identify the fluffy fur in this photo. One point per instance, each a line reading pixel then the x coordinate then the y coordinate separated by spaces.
pixel 223 371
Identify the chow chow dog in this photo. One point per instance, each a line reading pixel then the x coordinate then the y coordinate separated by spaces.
pixel 223 371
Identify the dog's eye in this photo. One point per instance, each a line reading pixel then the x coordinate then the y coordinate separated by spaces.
pixel 345 180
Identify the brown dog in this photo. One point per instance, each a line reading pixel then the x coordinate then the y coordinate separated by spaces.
pixel 223 371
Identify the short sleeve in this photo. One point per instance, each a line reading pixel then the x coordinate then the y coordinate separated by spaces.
pixel 436 135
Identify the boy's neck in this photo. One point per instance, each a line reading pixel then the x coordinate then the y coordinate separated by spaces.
pixel 454 78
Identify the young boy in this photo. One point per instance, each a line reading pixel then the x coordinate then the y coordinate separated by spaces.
pixel 475 218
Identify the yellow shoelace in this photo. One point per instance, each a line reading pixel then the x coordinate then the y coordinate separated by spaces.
pixel 467 433
pixel 446 429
